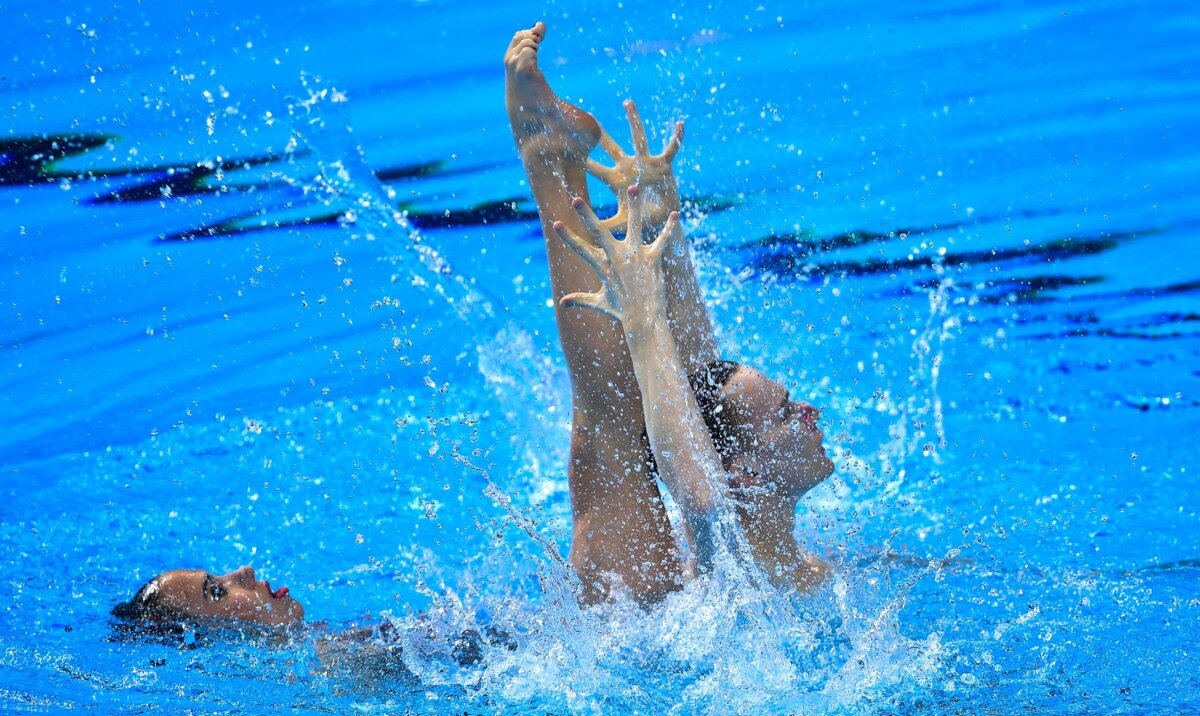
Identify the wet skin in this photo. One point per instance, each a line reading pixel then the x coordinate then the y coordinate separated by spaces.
pixel 779 441
pixel 622 537
pixel 237 595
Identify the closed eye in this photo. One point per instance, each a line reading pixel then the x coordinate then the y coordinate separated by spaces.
pixel 213 591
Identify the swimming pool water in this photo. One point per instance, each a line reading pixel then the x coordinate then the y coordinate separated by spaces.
pixel 275 294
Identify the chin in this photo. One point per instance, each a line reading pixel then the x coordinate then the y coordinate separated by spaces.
pixel 285 614
pixel 291 613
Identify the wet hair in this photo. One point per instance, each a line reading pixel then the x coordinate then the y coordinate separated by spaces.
pixel 706 385
pixel 146 605
pixel 148 617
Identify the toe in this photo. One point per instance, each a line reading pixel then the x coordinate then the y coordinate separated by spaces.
pixel 525 36
pixel 522 56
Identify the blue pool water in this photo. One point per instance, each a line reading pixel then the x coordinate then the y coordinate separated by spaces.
pixel 274 294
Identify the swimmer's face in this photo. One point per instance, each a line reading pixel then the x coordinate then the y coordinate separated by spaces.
pixel 238 595
pixel 777 438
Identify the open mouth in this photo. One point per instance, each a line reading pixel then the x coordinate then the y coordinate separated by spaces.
pixel 276 593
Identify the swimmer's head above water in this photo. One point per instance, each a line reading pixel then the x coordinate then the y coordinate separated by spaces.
pixel 763 436
pixel 192 595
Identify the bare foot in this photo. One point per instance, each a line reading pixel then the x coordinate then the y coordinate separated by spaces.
pixel 541 122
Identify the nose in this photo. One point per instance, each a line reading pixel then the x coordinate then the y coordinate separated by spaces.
pixel 245 576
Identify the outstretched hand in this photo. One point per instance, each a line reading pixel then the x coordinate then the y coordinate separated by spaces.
pixel 632 286
pixel 652 172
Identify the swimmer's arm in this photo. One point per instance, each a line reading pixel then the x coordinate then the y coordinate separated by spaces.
pixel 767 521
pixel 654 174
pixel 687 461
pixel 633 292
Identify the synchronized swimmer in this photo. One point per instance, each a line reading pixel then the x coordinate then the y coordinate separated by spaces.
pixel 651 398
